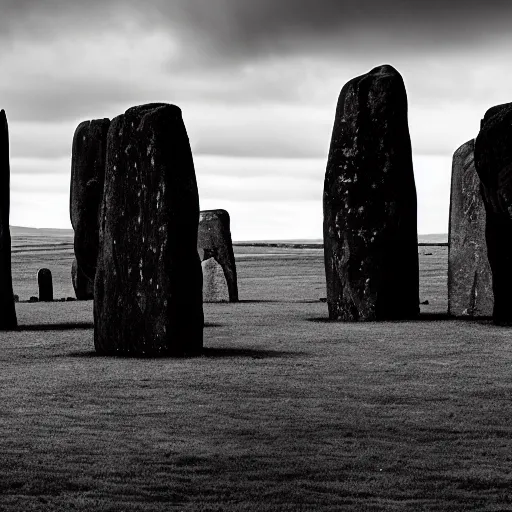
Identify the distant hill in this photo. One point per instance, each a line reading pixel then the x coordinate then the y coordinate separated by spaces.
pixel 23 231
pixel 293 241
pixel 435 238
pixel 317 243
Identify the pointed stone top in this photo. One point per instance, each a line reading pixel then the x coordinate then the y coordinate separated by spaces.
pixel 497 109
pixel 385 69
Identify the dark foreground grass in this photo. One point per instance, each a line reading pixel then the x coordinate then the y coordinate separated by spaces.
pixel 284 411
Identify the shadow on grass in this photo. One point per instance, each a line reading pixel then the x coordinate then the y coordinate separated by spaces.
pixel 209 353
pixel 253 353
pixel 277 301
pixel 71 326
pixel 256 301
pixel 422 317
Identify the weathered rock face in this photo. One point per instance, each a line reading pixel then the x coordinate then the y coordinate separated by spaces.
pixel 148 284
pixel 370 231
pixel 214 241
pixel 493 163
pixel 469 274
pixel 83 286
pixel 215 288
pixel 7 310
pixel 45 284
pixel 87 179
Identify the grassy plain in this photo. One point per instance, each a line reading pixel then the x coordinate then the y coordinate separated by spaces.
pixel 284 411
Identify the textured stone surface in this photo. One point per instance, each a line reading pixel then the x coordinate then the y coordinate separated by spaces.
pixel 148 285
pixel 370 232
pixel 493 163
pixel 7 310
pixel 45 284
pixel 215 288
pixel 469 274
pixel 87 179
pixel 83 286
pixel 214 241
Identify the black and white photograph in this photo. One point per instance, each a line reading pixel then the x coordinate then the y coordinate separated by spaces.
pixel 255 255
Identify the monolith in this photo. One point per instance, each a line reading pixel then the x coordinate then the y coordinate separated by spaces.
pixel 370 228
pixel 8 319
pixel 214 239
pixel 469 273
pixel 148 284
pixel 214 282
pixel 45 284
pixel 84 287
pixel 493 163
pixel 87 180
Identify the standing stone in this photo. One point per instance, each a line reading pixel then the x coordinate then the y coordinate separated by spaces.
pixel 215 288
pixel 370 232
pixel 148 285
pixel 214 241
pixel 45 285
pixel 493 163
pixel 469 273
pixel 8 319
pixel 83 286
pixel 87 180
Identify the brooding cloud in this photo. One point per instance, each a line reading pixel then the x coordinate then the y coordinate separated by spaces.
pixel 257 82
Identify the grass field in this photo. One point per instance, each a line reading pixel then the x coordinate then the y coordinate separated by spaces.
pixel 284 411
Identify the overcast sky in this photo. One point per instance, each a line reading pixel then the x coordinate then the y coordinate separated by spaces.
pixel 257 81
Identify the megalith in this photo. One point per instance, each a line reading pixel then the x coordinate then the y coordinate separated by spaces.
pixel 148 284
pixel 469 273
pixel 84 287
pixel 215 288
pixel 214 240
pixel 369 202
pixel 8 318
pixel 493 163
pixel 45 285
pixel 87 180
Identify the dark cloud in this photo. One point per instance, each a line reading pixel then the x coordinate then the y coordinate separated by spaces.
pixel 235 28
pixel 231 53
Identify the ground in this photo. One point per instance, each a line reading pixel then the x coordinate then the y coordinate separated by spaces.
pixel 284 411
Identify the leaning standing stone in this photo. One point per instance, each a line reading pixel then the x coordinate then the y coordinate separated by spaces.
pixel 370 231
pixel 214 240
pixel 7 310
pixel 87 179
pixel 469 273
pixel 493 163
pixel 45 285
pixel 215 287
pixel 148 285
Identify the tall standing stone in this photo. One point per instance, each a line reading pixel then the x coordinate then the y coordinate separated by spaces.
pixel 45 284
pixel 148 284
pixel 84 287
pixel 214 240
pixel 469 273
pixel 370 227
pixel 87 180
pixel 7 310
pixel 493 163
